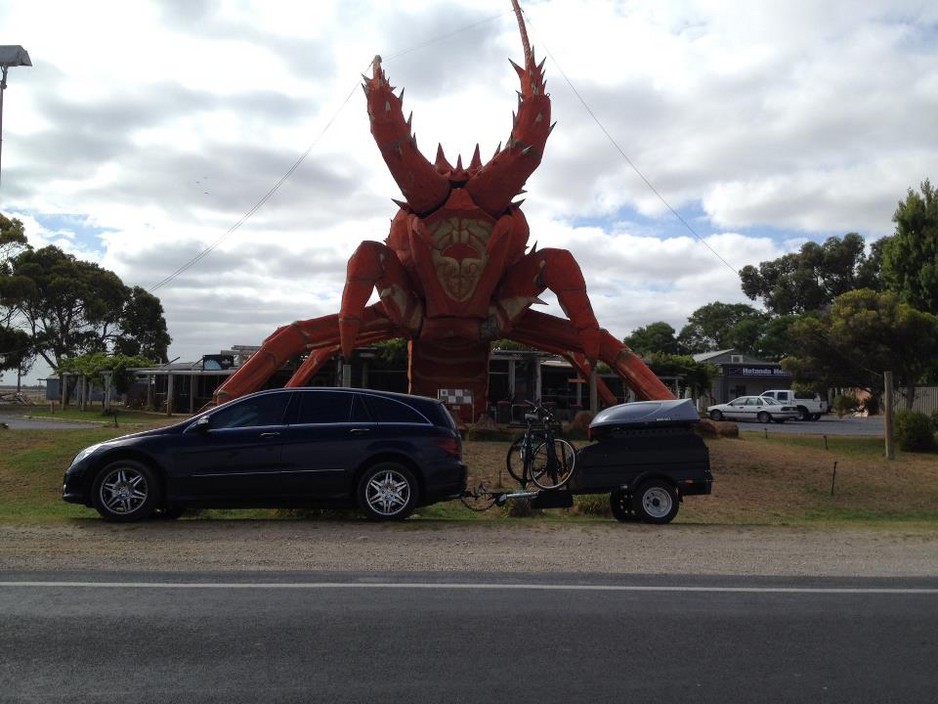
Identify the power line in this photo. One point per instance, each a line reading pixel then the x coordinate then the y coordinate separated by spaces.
pixel 296 164
pixel 632 164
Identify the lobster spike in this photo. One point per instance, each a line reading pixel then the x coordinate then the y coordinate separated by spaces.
pixel 410 122
pixel 476 162
pixel 518 69
pixel 442 163
pixel 459 162
pixel 400 204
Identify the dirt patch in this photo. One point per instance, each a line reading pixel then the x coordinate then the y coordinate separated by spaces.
pixel 519 547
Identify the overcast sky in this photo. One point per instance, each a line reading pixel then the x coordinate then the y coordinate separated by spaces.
pixel 147 132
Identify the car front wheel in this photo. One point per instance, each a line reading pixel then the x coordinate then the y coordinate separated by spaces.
pixel 387 492
pixel 125 490
pixel 716 415
pixel 655 502
pixel 763 417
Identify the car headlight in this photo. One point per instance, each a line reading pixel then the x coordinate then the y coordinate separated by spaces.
pixel 87 451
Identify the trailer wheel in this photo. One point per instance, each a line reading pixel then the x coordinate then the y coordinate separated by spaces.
pixel 621 505
pixel 655 501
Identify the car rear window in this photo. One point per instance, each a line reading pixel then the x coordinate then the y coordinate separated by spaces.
pixel 386 410
pixel 804 395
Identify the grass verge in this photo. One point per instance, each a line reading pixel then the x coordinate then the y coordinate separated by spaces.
pixel 778 480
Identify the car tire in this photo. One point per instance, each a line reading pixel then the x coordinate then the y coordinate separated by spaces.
pixel 621 505
pixel 716 415
pixel 655 501
pixel 803 413
pixel 779 420
pixel 763 417
pixel 815 416
pixel 124 491
pixel 387 492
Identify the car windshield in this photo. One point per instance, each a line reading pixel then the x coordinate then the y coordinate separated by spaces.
pixel 770 401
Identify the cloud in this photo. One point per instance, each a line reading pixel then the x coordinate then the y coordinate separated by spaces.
pixel 237 134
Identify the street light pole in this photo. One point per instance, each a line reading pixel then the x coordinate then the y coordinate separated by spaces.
pixel 10 55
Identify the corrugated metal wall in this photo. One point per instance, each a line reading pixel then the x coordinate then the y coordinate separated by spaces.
pixel 925 401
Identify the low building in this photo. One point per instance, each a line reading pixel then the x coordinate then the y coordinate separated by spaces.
pixel 742 375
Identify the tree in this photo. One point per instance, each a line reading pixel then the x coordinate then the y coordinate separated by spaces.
pixel 697 376
pixel 143 328
pixel 811 278
pixel 70 307
pixel 716 326
pixel 864 334
pixel 15 347
pixel 654 337
pixel 12 238
pixel 910 256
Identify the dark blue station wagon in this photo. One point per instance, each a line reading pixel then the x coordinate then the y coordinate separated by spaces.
pixel 382 452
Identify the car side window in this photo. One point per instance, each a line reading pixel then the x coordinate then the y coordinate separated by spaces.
pixel 386 410
pixel 252 412
pixel 331 407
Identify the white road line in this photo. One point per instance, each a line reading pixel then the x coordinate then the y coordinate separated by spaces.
pixel 470 587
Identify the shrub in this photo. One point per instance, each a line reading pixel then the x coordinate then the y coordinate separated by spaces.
pixel 844 404
pixel 914 431
pixel 592 505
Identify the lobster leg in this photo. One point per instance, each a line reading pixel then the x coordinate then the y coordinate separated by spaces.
pixel 556 270
pixel 375 265
pixel 294 339
pixel 557 335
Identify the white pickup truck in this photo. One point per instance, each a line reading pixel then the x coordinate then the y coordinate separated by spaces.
pixel 810 406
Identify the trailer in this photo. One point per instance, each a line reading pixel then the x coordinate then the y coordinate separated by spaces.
pixel 646 455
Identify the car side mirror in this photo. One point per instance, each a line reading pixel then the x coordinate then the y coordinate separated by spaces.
pixel 202 425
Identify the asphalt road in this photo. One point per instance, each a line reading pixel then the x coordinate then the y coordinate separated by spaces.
pixel 328 637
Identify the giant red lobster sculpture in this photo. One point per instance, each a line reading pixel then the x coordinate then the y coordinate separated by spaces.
pixel 453 274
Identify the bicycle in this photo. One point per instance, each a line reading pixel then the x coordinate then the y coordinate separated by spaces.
pixel 540 456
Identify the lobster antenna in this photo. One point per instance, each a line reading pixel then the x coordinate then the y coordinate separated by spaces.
pixel 524 31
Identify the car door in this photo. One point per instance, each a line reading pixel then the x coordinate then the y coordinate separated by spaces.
pixel 736 409
pixel 326 441
pixel 234 455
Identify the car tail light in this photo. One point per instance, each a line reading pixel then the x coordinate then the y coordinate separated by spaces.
pixel 451 446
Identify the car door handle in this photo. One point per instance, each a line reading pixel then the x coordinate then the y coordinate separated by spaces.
pixel 359 431
pixel 270 435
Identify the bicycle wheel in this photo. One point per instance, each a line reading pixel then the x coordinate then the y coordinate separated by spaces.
pixel 552 467
pixel 514 460
pixel 479 498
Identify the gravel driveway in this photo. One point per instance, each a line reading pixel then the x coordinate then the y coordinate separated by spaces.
pixel 515 547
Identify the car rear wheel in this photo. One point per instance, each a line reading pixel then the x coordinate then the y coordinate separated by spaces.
pixel 763 417
pixel 125 490
pixel 716 415
pixel 387 492
pixel 803 413
pixel 655 502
